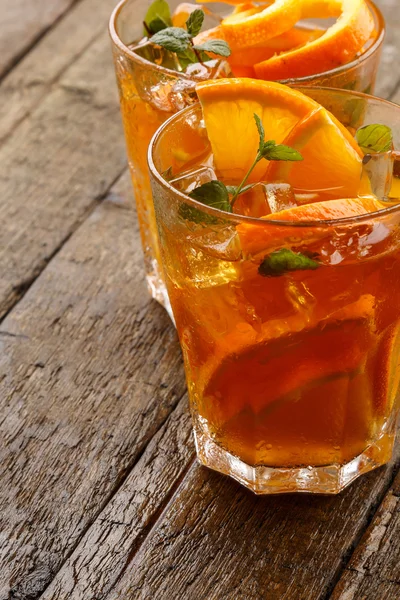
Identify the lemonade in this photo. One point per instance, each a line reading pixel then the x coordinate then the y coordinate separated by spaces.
pixel 289 322
pixel 154 83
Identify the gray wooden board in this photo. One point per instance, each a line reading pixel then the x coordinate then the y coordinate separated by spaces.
pixel 56 166
pixel 26 85
pixel 218 541
pixel 23 22
pixel 90 368
pixel 374 570
pixel 388 79
pixel 106 550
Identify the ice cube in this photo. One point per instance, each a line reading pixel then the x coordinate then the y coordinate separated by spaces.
pixel 379 170
pixel 280 196
pixel 218 240
pixel 211 69
pixel 181 94
pixel 169 92
pixel 265 198
pixel 190 180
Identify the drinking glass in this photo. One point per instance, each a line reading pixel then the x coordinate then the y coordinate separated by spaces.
pixel 293 379
pixel 150 93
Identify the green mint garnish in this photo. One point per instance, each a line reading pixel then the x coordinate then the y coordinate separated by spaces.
pixel 174 39
pixel 158 17
pixel 214 194
pixel 268 150
pixel 375 139
pixel 219 47
pixel 179 40
pixel 217 195
pixel 195 22
pixel 284 260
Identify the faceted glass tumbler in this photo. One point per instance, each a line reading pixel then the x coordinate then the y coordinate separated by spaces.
pixel 150 93
pixel 293 380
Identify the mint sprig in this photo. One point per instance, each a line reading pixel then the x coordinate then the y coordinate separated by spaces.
pixel 214 194
pixel 375 139
pixel 268 150
pixel 284 260
pixel 158 26
pixel 174 39
pixel 219 47
pixel 158 17
pixel 195 22
pixel 218 195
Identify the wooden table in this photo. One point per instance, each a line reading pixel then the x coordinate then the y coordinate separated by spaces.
pixel 101 496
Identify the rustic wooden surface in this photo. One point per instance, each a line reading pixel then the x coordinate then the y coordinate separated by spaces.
pixel 100 494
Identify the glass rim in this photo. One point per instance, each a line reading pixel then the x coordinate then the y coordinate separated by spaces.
pixel 221 214
pixel 295 81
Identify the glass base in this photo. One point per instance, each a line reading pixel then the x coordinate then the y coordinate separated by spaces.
pixel 329 479
pixel 158 291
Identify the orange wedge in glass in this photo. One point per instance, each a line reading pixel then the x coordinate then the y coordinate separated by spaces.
pixel 257 237
pixel 337 46
pixel 228 108
pixel 332 159
pixel 254 27
pixel 244 356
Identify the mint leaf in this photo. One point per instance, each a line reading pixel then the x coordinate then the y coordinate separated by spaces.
pixel 375 139
pixel 156 25
pixel 195 22
pixel 261 131
pixel 212 193
pixel 284 260
pixel 157 14
pixel 272 151
pixel 174 39
pixel 193 214
pixel 219 47
pixel 188 57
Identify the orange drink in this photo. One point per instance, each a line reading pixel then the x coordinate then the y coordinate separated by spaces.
pixel 286 293
pixel 154 83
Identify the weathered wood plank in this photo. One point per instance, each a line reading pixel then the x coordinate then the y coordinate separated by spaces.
pixel 388 76
pixel 22 22
pixel 90 368
pixel 374 570
pixel 218 541
pixel 105 551
pixel 23 88
pixel 56 167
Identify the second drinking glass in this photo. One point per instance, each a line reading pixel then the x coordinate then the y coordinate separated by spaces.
pixel 152 89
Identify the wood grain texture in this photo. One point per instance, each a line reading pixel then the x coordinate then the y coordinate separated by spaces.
pixel 22 22
pixel 374 570
pixel 56 167
pixel 33 77
pixel 218 541
pixel 388 78
pixel 106 550
pixel 90 369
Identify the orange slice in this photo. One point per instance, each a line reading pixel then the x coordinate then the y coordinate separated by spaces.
pixel 256 238
pixel 255 374
pixel 338 46
pixel 332 160
pixel 387 369
pixel 286 41
pixel 254 27
pixel 228 108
